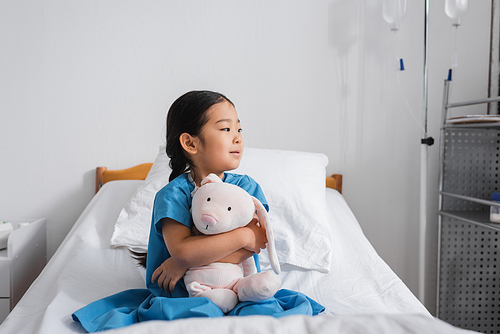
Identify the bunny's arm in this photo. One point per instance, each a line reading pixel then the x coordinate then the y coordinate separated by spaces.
pixel 249 267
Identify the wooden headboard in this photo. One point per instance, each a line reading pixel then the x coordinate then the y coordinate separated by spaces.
pixel 140 172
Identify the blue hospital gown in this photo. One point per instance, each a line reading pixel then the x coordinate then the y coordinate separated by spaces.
pixel 136 305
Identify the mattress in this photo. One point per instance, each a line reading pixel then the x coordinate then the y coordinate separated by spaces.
pixel 359 293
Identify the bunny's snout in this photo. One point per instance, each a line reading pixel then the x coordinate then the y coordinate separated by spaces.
pixel 208 220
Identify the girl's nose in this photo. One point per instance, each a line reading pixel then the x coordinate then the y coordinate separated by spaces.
pixel 238 138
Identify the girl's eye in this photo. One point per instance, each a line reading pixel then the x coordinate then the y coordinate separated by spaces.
pixel 239 130
pixel 226 129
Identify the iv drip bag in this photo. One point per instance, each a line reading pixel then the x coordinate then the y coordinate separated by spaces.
pixel 456 9
pixel 393 12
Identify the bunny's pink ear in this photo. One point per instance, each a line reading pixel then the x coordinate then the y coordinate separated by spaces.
pixel 271 248
pixel 211 178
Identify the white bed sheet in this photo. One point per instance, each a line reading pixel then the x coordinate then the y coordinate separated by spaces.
pixel 360 291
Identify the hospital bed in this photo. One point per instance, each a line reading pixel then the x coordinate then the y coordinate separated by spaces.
pixel 321 247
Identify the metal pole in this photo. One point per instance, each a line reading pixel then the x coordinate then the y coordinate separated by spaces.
pixel 425 142
pixel 426 69
pixel 442 133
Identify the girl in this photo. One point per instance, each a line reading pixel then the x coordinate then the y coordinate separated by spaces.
pixel 203 137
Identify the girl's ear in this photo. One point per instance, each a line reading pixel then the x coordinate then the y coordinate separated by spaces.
pixel 189 143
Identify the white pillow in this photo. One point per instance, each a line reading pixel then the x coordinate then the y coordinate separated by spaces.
pixel 133 223
pixel 294 185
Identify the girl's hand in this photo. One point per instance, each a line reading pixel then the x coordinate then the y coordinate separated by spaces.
pixel 257 238
pixel 168 274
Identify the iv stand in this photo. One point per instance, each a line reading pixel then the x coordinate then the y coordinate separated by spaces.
pixel 424 148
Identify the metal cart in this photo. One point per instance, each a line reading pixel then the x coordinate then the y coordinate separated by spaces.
pixel 468 286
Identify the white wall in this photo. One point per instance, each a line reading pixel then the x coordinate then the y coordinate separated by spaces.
pixel 88 83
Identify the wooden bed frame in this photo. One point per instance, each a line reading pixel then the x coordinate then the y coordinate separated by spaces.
pixel 139 172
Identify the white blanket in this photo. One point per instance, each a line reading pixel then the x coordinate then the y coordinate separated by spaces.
pixel 360 285
pixel 327 324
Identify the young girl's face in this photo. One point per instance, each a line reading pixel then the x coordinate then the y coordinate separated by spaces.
pixel 221 146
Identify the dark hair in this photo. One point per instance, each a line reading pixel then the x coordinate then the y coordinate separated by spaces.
pixel 188 114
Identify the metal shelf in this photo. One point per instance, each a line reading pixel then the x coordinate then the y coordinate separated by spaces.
pixel 480 218
pixel 470 199
pixel 468 242
pixel 485 125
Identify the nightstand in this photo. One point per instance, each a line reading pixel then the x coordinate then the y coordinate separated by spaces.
pixel 21 262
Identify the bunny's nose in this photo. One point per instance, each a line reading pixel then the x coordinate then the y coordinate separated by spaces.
pixel 208 220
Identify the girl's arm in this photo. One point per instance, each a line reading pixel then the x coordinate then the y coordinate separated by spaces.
pixel 236 257
pixel 194 251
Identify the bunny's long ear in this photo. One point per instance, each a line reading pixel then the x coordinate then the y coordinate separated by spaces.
pixel 211 178
pixel 264 221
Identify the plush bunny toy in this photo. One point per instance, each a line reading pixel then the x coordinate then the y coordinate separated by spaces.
pixel 221 207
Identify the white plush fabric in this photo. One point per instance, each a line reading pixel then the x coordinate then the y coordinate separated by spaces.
pixel 294 185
